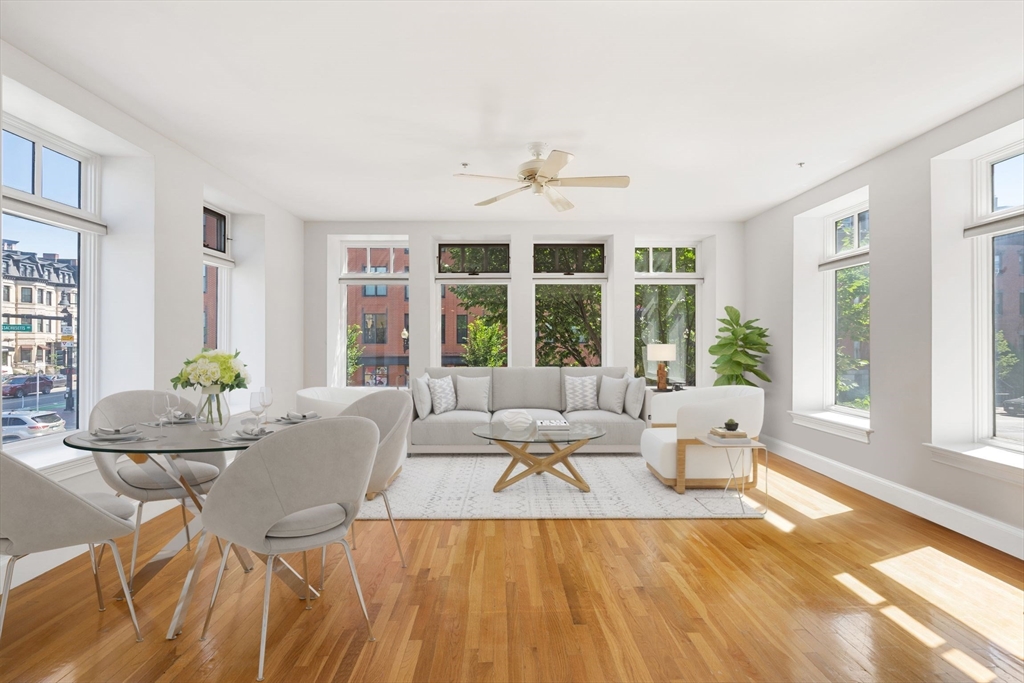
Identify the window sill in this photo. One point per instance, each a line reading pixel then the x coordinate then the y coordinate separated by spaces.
pixel 50 456
pixel 837 424
pixel 990 461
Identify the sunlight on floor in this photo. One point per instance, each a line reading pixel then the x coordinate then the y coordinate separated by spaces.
pixel 862 591
pixel 968 665
pixel 797 496
pixel 991 607
pixel 913 626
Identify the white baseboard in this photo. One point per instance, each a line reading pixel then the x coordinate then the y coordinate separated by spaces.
pixel 981 528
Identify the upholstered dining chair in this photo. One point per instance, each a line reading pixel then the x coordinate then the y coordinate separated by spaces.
pixel 37 514
pixel 131 480
pixel 392 413
pixel 293 491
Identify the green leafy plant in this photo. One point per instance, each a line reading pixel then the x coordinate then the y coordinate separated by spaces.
pixel 354 350
pixel 485 345
pixel 740 349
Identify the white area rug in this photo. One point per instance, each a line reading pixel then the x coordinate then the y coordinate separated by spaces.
pixel 621 487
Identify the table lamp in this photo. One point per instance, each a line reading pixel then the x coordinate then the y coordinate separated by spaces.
pixel 663 353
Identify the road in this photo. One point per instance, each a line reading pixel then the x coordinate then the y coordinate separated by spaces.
pixel 53 401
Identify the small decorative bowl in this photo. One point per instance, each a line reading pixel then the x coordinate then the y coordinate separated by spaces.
pixel 517 420
pixel 731 427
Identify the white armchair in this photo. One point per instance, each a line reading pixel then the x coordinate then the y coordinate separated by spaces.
pixel 670 446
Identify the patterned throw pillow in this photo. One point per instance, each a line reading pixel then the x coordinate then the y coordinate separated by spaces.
pixel 442 394
pixel 580 393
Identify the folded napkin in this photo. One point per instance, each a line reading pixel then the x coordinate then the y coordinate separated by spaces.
pixel 311 415
pixel 253 430
pixel 127 429
pixel 179 415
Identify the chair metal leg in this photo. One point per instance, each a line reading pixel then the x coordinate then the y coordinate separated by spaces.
pixel 352 528
pixel 216 590
pixel 8 577
pixel 266 614
pixel 305 577
pixel 359 590
pixel 96 576
pixel 394 529
pixel 184 520
pixel 135 545
pixel 124 585
pixel 323 564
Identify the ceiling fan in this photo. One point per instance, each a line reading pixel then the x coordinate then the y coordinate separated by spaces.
pixel 541 177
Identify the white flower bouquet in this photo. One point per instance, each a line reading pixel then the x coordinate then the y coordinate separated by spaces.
pixel 213 372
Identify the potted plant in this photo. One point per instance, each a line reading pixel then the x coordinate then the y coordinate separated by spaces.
pixel 740 348
pixel 731 425
pixel 213 372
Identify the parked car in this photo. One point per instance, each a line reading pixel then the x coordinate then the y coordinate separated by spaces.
pixel 59 381
pixel 28 424
pixel 23 385
pixel 1015 406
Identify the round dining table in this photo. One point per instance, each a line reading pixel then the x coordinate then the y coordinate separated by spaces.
pixel 158 450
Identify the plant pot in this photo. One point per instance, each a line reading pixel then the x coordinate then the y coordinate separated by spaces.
pixel 213 413
pixel 732 427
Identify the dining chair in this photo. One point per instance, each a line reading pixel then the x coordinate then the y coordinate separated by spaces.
pixel 37 514
pixel 293 491
pixel 392 413
pixel 131 480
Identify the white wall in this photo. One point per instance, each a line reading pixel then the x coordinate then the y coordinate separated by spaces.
pixel 902 382
pixel 721 255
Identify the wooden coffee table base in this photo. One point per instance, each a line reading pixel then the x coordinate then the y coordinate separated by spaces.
pixel 538 465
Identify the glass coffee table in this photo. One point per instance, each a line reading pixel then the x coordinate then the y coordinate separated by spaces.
pixel 563 443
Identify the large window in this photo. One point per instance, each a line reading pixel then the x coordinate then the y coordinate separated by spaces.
pixel 479 318
pixel 216 278
pixel 666 314
pixel 375 314
pixel 568 325
pixel 848 274
pixel 1008 338
pixel 40 334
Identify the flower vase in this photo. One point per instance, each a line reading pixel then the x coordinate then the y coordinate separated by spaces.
pixel 213 413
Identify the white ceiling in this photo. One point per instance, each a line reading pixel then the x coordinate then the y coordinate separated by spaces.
pixel 362 111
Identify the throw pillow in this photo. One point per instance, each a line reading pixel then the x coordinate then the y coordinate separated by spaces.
pixel 613 394
pixel 634 402
pixel 580 393
pixel 442 394
pixel 421 395
pixel 473 393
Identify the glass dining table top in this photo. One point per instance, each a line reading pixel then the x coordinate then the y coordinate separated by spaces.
pixel 171 438
pixel 576 432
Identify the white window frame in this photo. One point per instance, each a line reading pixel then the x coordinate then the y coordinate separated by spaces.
pixel 225 264
pixel 90 173
pixel 455 277
pixel 445 280
pixel 212 256
pixel 982 252
pixel 831 263
pixel 347 278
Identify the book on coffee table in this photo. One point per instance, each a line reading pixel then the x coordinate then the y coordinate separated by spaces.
pixel 552 425
pixel 726 434
pixel 718 441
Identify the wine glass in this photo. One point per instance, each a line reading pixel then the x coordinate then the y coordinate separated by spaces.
pixel 173 403
pixel 160 407
pixel 266 397
pixel 256 405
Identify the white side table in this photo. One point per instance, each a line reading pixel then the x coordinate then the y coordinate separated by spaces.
pixel 741 487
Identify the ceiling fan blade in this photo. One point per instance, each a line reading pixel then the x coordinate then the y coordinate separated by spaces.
pixel 557 199
pixel 503 196
pixel 555 162
pixel 592 181
pixel 487 177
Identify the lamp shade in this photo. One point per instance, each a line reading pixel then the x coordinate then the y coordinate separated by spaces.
pixel 661 352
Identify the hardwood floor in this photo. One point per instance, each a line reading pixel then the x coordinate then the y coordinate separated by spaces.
pixel 836 587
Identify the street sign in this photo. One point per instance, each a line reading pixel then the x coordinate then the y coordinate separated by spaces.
pixel 67 344
pixel 17 327
pixel 67 329
pixel 67 337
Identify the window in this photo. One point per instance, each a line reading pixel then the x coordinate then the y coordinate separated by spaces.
pixel 211 306
pixel 481 319
pixel 568 259
pixel 7 293
pixel 444 336
pixel 19 162
pixel 375 328
pixel 36 252
pixel 461 329
pixel 665 260
pixel 49 298
pixel 215 231
pixel 666 314
pixel 472 259
pixel 43 167
pixel 373 283
pixel 62 178
pixel 1007 183
pixel 1007 334
pixel 568 325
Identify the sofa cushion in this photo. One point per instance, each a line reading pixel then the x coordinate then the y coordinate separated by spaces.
pixel 580 393
pixel 442 394
pixel 588 372
pixel 526 388
pixel 473 393
pixel 421 395
pixel 658 447
pixel 119 507
pixel 612 395
pixel 454 428
pixel 195 473
pixel 634 402
pixel 620 427
pixel 535 413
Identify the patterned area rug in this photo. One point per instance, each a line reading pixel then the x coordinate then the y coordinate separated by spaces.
pixel 621 487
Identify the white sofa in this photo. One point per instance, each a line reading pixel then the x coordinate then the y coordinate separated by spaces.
pixel 670 447
pixel 538 391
